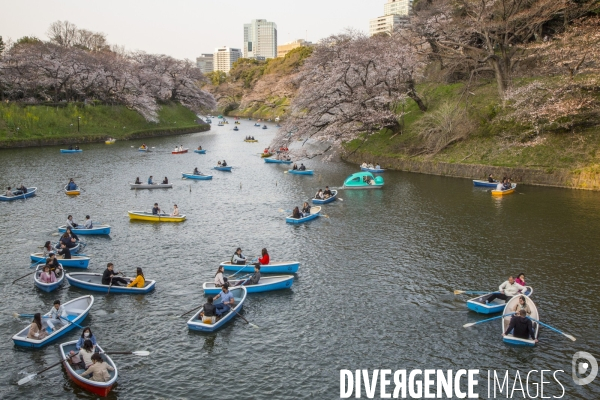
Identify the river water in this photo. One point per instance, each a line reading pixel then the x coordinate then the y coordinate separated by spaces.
pixel 374 289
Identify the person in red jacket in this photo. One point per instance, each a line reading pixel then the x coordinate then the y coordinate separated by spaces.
pixel 264 260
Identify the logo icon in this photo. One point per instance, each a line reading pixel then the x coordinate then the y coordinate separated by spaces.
pixel 581 363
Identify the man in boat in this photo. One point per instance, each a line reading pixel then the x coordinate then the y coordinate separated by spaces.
pixel 196 172
pixel 109 276
pixel 137 181
pixel 208 313
pixel 508 184
pixel 199 147
pixel 88 222
pixel 238 258
pixel 175 212
pixel 521 326
pixel 71 185
pixel 224 163
pixel 302 167
pixel 64 252
pixel 155 209
pixel 76 147
pixel 9 192
pixel 327 193
pixel 57 314
pixel 70 223
pixel 255 278
pixel 491 179
pixel 53 264
pixel 21 190
pixel 507 289
pixel 227 301
pixel 150 180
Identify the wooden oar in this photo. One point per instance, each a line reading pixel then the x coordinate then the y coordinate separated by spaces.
pixel 72 322
pixel 141 353
pixel 187 312
pixel 486 320
pixel 471 292
pixel 552 328
pixel 231 276
pixel 17 315
pixel 23 277
pixel 242 317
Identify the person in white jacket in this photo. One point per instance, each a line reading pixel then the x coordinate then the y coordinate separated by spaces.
pixel 507 289
pixel 56 314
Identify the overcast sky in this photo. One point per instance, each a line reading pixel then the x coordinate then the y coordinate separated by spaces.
pixel 185 29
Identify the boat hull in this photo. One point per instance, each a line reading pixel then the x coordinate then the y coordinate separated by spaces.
pixel 289 267
pixel 315 212
pixel 75 192
pixel 504 192
pixel 110 141
pixel 298 172
pixel 97 230
pixel 510 339
pixel 275 161
pixel 67 151
pixel 146 216
pixel 142 149
pixel 180 152
pixel 154 186
pixel 481 183
pixel 239 294
pixel 373 170
pixel 226 169
pixel 265 155
pixel 98 388
pixel 47 287
pixel 270 283
pixel 200 151
pixel 74 262
pixel 496 306
pixel 196 177
pixel 30 193
pixel 331 199
pixel 93 282
pixel 251 141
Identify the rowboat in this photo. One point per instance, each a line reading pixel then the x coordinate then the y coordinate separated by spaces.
pixel 76 310
pixel 74 249
pixel 110 141
pixel 146 149
pixel 236 128
pixel 180 151
pixel 363 180
pixel 265 155
pixel 91 281
pixel 299 172
pixel 75 192
pixel 200 177
pixel 73 262
pixel 228 169
pixel 479 306
pixel 200 151
pixel 331 198
pixel 505 192
pixel 276 161
pixel 30 192
pixel 220 124
pixel 265 284
pixel 264 127
pixel 373 170
pixel 96 230
pixel 239 294
pixel 282 267
pixel 251 141
pixel 510 307
pixel 98 388
pixel 151 186
pixel 482 183
pixel 148 216
pixel 314 213
pixel 71 151
pixel 257 125
pixel 47 287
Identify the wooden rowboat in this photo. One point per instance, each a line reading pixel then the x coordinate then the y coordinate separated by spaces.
pixel 282 267
pixel 91 281
pixel 71 151
pixel 276 161
pixel 299 172
pixel 200 177
pixel 148 216
pixel 250 140
pixel 239 294
pixel 266 284
pixel 47 287
pixel 98 388
pixel 73 262
pixel 30 192
pixel 152 186
pixel 314 213
pixel 331 198
pixel 180 151
pixel 510 307
pixel 479 305
pixel 505 192
pixel 96 230
pixel 75 192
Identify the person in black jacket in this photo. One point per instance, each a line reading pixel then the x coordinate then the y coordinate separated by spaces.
pixel 64 251
pixel 109 278
pixel 521 326
pixel 208 311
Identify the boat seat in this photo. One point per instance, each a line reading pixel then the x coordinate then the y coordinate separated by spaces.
pixel 75 311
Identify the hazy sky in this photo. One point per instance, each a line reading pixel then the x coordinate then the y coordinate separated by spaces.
pixel 185 29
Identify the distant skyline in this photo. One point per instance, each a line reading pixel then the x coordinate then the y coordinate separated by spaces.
pixel 186 29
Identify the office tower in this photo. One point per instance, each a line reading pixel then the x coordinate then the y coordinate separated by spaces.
pixel 205 62
pixel 396 14
pixel 224 57
pixel 260 39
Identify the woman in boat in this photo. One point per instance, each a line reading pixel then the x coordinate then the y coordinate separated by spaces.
pixel 53 264
pixel 238 258
pixel 175 212
pixel 99 369
pixel 73 235
pixel 35 329
pixel 508 184
pixel 67 240
pixel 219 163
pixel 327 193
pixel 264 259
pixel 85 335
pixel 137 181
pixel 196 172
pixel 139 280
pixel 47 276
pixel 199 147
pixel 305 209
pixel 522 305
pixel 47 249
pixel 319 195
pixel 220 280
pixel 165 181
pixel 363 165
pixel 84 357
pixel 70 222
pixel 295 167
pixel 296 213
pixel 521 279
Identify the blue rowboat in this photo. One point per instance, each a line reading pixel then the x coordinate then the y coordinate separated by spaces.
pixel 266 284
pixel 90 281
pixel 479 306
pixel 482 183
pixel 510 308
pixel 74 249
pixel 47 287
pixel 201 177
pixel 290 267
pixel 71 151
pixel 200 151
pixel 228 169
pixel 239 294
pixel 30 192
pixel 298 172
pixel 76 310
pixel 314 213
pixel 275 161
pixel 264 127
pixel 373 170
pixel 96 230
pixel 145 149
pixel 331 199
pixel 256 124
pixel 73 262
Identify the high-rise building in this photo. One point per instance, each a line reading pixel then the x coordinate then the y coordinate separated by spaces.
pixel 283 49
pixel 398 7
pixel 396 13
pixel 260 39
pixel 205 62
pixel 224 57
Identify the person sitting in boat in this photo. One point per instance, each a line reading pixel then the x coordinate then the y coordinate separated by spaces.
pixel 85 335
pixel 52 263
pixel 70 222
pixel 302 167
pixel 305 209
pixel 175 212
pixel 522 305
pixel 264 259
pixel 64 252
pixel 377 166
pixel 319 195
pixel 199 147
pixel 57 315
pixel 35 329
pixel 220 280
pixel 491 178
pixel 288 158
pixel 165 181
pixel 219 163
pixel 208 313
pixel 521 279
pixel 255 278
pixel 109 277
pixel 70 147
pixel 71 185
pixel 72 235
pixel 137 181
pixel 155 209
pixel 224 164
pixel 67 241
pixel 21 190
pixel 47 249
pixel 363 165
pixel 139 280
pixel 76 147
pixel 9 192
pixel 47 276
pixel 327 193
pixel 180 147
pixel 83 358
pixel 196 172
pixel 238 258
pixel 296 213
pixel 144 146
pixel 508 184
pixel 176 149
pixel 521 327
pixel 227 301
pixel 88 223
pixel 252 138
pixel 294 167
pixel 266 150
pixel 507 289
pixel 99 369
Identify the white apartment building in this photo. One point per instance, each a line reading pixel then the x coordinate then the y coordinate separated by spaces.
pixel 397 7
pixel 260 39
pixel 396 14
pixel 205 62
pixel 224 57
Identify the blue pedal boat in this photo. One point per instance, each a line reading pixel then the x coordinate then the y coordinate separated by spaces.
pixel 91 281
pixel 315 212
pixel 73 262
pixel 226 169
pixel 282 267
pixel 478 303
pixel 76 310
pixel 265 284
pixel 200 151
pixel 30 193
pixel 363 180
pixel 510 308
pixel 71 151
pixel 201 177
pixel 331 199
pixel 239 294
pixel 47 287
pixel 276 161
pixel 298 172
pixel 373 170
pixel 96 230
pixel 482 183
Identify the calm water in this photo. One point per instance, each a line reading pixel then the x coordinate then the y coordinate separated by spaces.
pixel 374 289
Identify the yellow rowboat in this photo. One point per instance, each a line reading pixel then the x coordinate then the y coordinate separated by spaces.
pixel 251 141
pixel 110 141
pixel 504 192
pixel 75 192
pixel 265 155
pixel 147 216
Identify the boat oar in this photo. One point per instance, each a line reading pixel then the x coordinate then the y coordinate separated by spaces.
pixel 187 312
pixel 240 270
pixel 71 322
pixel 141 353
pixel 470 292
pixel 30 377
pixel 486 320
pixel 33 265
pixel 552 328
pixel 31 273
pixel 17 315
pixel 242 317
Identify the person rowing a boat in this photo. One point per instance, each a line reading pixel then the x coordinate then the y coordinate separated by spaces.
pixel 70 222
pixel 199 147
pixel 137 181
pixel 238 258
pixel 156 209
pixel 208 313
pixel 165 181
pixel 255 278
pixel 296 213
pixel 64 252
pixel 57 314
pixel 21 190
pixel 109 277
pixel 507 289
pixel 68 241
pixel 99 369
pixel 491 179
pixel 227 301
pixel 521 327
pixel 150 182
pixel 71 185
pixel 327 193
pixel 175 212
pixel 88 223
pixel 224 164
pixel 319 195
pixel 305 209
pixel 302 167
pixel 53 264
pixel 196 172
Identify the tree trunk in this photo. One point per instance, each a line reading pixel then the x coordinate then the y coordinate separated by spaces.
pixel 412 93
pixel 500 76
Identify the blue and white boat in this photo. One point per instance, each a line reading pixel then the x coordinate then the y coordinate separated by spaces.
pixel 91 281
pixel 479 305
pixel 239 295
pixel 264 127
pixel 373 170
pixel 47 287
pixel 96 230
pixel 73 262
pixel 265 284
pixel 30 192
pixel 330 199
pixel 315 212
pixel 144 149
pixel 71 151
pixel 276 161
pixel 200 177
pixel 299 172
pixel 282 267
pixel 509 308
pixel 482 183
pixel 76 310
pixel 200 151
pixel 227 169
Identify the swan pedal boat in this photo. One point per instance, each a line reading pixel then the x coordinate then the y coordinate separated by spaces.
pixel 30 193
pixel 98 388
pixel 93 281
pixel 281 267
pixel 99 229
pixel 478 305
pixel 482 183
pixel 151 186
pixel 200 151
pixel 200 177
pixel 510 339
pixel 71 151
pixel 276 161
pixel 75 192
pixel 180 151
pixel 314 213
pixel 239 295
pixel 76 309
pixel 357 181
pixel 301 172
pixel 148 216
pixel 330 199
pixel 226 169
pixel 48 287
pixel 265 284
pixel 73 262
pixel 505 192
pixel 373 170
